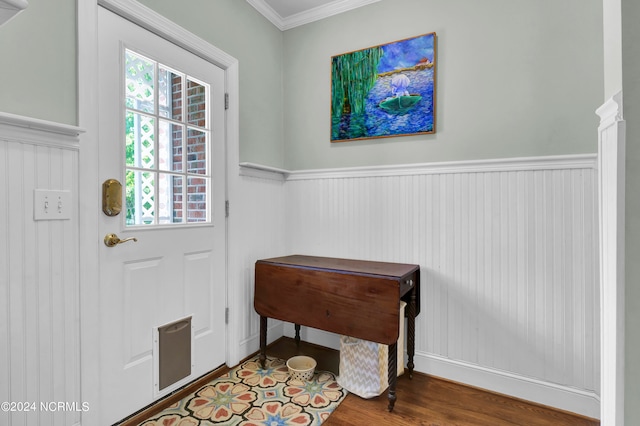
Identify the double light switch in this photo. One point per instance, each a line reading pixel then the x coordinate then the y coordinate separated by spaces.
pixel 51 205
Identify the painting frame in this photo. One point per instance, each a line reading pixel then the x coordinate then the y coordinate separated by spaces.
pixel 384 91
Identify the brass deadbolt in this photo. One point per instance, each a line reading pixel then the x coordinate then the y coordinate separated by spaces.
pixel 111 197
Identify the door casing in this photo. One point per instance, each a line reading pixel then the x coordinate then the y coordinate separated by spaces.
pixel 89 196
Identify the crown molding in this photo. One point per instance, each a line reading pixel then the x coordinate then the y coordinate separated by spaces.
pixel 286 23
pixel 10 8
pixel 268 12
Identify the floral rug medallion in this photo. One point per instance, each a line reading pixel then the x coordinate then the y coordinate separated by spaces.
pixel 251 396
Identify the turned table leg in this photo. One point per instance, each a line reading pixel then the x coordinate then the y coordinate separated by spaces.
pixel 297 327
pixel 411 331
pixel 263 341
pixel 392 364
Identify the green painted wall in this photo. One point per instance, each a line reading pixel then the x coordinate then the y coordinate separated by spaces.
pixel 631 111
pixel 238 29
pixel 39 68
pixel 515 78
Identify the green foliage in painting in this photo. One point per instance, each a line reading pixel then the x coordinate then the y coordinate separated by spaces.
pixel 352 76
pixel 337 88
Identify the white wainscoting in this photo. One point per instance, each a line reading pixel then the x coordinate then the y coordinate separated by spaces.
pixel 508 251
pixel 39 290
pixel 257 230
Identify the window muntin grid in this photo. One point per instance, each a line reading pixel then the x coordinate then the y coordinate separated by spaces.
pixel 167 144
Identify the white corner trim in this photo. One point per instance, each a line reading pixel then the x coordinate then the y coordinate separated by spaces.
pixel 611 188
pixel 10 8
pixel 23 129
pixel 321 12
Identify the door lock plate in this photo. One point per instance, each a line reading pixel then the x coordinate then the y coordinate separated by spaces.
pixel 111 197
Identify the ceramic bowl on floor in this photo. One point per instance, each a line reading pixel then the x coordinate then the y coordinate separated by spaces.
pixel 301 367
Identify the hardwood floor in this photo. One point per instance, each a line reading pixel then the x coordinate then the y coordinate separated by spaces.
pixel 426 400
pixel 422 401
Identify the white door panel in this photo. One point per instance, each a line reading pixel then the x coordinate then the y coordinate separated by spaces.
pixel 172 271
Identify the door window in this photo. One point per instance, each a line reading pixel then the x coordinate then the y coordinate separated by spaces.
pixel 167 145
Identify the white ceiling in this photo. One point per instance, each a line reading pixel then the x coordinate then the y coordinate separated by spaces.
pixel 287 14
pixel 286 8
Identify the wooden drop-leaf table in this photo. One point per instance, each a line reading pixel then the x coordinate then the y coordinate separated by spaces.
pixel 350 297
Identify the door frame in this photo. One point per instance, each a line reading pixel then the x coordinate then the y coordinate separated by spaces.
pixel 89 200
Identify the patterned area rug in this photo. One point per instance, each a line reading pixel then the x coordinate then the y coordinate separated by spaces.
pixel 251 396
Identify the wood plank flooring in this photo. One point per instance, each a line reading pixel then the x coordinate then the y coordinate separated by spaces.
pixel 429 401
pixel 422 401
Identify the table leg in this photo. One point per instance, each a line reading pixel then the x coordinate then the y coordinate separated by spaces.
pixel 411 331
pixel 297 326
pixel 392 364
pixel 263 341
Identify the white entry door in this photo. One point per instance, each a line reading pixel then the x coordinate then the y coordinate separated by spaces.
pixel 161 135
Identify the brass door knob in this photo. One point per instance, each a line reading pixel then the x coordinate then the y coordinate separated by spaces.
pixel 112 240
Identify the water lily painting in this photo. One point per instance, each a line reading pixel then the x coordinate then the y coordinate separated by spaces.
pixel 384 91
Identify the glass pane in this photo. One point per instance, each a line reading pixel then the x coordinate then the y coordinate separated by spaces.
pixel 170 146
pixel 196 152
pixel 140 198
pixel 178 201
pixel 170 199
pixel 139 137
pixel 196 104
pixel 140 77
pixel 169 94
pixel 197 199
pixel 167 144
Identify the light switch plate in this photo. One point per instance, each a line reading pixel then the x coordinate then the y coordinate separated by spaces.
pixel 51 205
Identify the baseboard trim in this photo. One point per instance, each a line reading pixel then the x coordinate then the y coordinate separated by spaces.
pixel 578 401
pixel 582 402
pixel 315 336
pixel 251 344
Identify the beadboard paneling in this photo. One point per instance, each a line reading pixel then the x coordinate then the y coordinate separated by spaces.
pixel 509 265
pixel 39 308
pixel 257 230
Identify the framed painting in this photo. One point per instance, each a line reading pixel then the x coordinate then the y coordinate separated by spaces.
pixel 384 91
